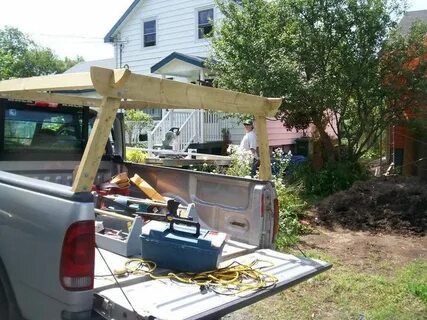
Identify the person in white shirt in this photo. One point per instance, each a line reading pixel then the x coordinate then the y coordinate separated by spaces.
pixel 249 143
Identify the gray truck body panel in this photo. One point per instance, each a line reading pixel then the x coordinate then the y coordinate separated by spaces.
pixel 34 217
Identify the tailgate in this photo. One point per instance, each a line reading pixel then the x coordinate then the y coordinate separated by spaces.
pixel 166 299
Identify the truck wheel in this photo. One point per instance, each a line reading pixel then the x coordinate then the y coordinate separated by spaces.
pixel 4 304
pixel 8 307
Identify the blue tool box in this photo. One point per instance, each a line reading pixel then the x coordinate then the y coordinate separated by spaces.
pixel 182 245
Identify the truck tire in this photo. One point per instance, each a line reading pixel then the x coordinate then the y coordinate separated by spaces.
pixel 8 306
pixel 4 305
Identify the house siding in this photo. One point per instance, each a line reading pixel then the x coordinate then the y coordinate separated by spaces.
pixel 176 31
pixel 278 135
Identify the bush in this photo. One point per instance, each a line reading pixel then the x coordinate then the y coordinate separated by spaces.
pixel 292 208
pixel 240 162
pixel 334 177
pixel 137 156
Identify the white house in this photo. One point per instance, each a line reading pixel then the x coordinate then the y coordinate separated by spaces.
pixel 164 37
pixel 170 39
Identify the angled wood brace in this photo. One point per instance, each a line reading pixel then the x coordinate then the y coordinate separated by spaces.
pixel 104 81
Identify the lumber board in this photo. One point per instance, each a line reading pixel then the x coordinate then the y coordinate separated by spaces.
pixel 68 81
pixel 96 145
pixel 105 80
pixel 65 99
pixel 264 150
pixel 181 95
pixel 145 91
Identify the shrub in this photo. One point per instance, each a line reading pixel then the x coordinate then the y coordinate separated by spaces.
pixel 334 177
pixel 241 162
pixel 137 156
pixel 292 208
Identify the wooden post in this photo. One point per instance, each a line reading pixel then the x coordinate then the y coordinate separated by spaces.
pixel 264 150
pixel 96 145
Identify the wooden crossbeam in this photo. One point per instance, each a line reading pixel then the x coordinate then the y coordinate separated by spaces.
pixel 65 99
pixel 181 95
pixel 142 89
pixel 66 81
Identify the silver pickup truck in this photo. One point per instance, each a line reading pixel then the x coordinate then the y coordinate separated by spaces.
pixel 50 265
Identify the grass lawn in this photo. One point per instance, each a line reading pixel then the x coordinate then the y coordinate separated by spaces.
pixel 361 285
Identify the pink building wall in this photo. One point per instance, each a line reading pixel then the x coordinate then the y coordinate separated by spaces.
pixel 278 135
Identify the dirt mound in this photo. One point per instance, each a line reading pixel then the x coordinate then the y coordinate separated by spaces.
pixel 385 204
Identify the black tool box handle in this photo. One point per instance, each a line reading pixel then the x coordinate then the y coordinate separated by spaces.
pixel 186 222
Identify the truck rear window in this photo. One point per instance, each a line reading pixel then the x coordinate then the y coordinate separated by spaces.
pixel 43 131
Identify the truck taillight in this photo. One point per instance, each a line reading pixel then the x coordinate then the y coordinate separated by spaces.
pixel 276 218
pixel 78 257
pixel 45 104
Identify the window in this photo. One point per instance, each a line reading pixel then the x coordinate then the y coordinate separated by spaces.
pixel 149 33
pixel 205 23
pixel 42 130
pixel 155 113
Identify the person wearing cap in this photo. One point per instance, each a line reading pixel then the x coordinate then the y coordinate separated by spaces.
pixel 249 143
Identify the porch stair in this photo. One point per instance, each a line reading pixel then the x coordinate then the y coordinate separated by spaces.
pixel 195 127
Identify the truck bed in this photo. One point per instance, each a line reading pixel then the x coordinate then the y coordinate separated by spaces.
pixel 168 299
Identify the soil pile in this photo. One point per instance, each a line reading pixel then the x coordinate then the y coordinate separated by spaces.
pixel 391 204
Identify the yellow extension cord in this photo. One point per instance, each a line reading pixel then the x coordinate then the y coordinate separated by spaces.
pixel 233 279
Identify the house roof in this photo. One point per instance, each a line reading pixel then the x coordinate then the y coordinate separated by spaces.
pixel 110 35
pixel 179 64
pixel 410 17
pixel 85 66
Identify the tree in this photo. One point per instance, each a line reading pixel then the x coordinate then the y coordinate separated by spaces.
pixel 404 65
pixel 323 56
pixel 22 57
pixel 136 120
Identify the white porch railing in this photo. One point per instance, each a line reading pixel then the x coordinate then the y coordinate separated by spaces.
pixel 187 132
pixel 196 126
pixel 172 119
pixel 213 124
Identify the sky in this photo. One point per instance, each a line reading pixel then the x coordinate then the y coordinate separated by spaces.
pixel 69 28
pixel 77 27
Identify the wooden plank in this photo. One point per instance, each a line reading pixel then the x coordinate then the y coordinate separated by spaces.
pixel 181 95
pixel 264 150
pixel 68 81
pixel 201 156
pixel 186 162
pixel 121 84
pixel 65 99
pixel 96 145
pixel 104 80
